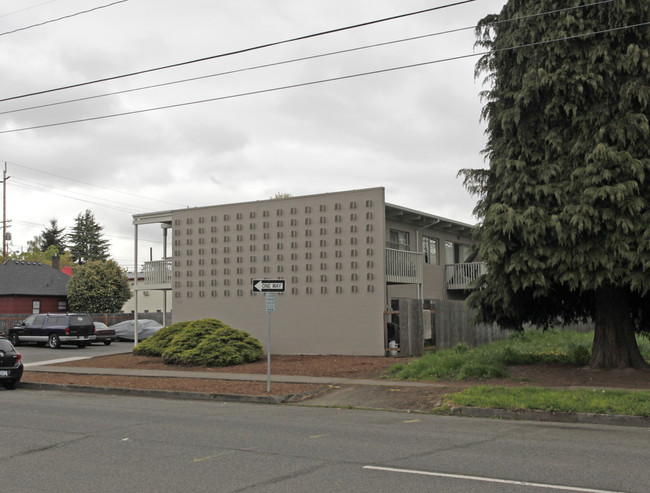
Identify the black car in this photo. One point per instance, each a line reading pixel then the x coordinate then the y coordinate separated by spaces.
pixel 11 366
pixel 54 329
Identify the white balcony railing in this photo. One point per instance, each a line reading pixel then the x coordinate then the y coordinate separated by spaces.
pixel 461 276
pixel 404 267
pixel 157 273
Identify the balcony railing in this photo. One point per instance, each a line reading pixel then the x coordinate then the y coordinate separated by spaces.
pixel 461 276
pixel 404 267
pixel 157 275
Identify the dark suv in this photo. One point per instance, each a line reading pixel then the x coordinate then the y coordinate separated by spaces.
pixel 54 329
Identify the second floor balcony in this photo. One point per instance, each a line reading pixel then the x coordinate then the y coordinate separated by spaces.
pixel 157 275
pixel 461 276
pixel 404 267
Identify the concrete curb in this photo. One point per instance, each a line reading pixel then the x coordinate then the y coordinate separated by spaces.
pixel 162 394
pixel 551 416
pixel 299 399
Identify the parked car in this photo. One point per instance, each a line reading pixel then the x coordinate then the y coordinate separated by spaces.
pixel 54 329
pixel 146 328
pixel 104 333
pixel 11 366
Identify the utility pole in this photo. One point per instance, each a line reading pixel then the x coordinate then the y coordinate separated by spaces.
pixel 4 214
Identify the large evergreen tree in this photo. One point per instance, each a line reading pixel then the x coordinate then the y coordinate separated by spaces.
pixel 564 206
pixel 53 236
pixel 85 241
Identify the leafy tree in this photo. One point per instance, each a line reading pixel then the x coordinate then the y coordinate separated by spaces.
pixel 53 236
pixel 35 244
pixel 86 242
pixel 98 287
pixel 34 254
pixel 281 195
pixel 564 206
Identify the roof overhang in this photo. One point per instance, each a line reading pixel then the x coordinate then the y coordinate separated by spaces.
pixel 424 220
pixel 163 217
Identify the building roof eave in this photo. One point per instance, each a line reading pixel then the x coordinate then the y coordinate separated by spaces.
pixel 421 219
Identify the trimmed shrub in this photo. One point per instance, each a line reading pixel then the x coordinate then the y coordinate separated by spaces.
pixel 206 342
pixel 157 343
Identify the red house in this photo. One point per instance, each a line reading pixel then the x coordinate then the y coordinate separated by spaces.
pixel 32 287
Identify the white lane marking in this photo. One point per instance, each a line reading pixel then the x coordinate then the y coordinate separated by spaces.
pixel 489 480
pixel 54 361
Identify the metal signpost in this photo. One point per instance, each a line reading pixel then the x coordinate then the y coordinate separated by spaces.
pixel 270 287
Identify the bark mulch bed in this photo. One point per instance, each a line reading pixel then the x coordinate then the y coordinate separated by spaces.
pixel 365 367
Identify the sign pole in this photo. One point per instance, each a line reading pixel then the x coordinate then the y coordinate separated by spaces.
pixel 270 308
pixel 270 287
pixel 268 355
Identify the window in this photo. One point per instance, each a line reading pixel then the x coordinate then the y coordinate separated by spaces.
pixel 430 248
pixel 455 253
pixel 36 306
pixel 399 240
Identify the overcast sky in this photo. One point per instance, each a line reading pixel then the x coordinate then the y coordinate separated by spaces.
pixel 409 130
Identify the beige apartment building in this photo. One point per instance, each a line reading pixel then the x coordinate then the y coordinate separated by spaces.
pixel 345 258
pixel 148 300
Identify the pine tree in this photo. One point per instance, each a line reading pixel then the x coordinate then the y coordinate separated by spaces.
pixel 86 242
pixel 53 236
pixel 564 206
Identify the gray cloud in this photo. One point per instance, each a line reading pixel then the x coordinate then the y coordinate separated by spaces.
pixel 409 131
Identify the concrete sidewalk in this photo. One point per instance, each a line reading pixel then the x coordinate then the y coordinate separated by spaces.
pixel 374 394
pixel 251 377
pixel 377 394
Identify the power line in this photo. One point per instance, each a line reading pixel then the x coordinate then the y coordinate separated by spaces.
pixel 61 18
pixel 238 52
pixel 48 190
pixel 33 185
pixel 293 60
pixel 236 71
pixel 320 81
pixel 91 185
pixel 27 8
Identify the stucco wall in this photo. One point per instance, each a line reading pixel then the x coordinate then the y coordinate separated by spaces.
pixel 328 247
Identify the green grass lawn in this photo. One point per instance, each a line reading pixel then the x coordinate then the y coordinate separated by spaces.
pixel 629 403
pixel 529 347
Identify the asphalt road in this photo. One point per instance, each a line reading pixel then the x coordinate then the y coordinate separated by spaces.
pixel 33 354
pixel 63 442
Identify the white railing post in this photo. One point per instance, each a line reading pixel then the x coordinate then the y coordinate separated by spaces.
pixel 403 266
pixel 461 276
pixel 157 272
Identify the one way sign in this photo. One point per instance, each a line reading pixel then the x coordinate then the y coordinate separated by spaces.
pixel 268 285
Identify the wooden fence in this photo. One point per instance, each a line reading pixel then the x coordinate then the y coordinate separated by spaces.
pixel 453 325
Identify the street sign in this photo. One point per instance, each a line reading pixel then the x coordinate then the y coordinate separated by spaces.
pixel 268 285
pixel 270 302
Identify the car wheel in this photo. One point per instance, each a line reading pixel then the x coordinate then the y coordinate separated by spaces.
pixel 13 338
pixel 53 341
pixel 11 384
pixel 107 342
